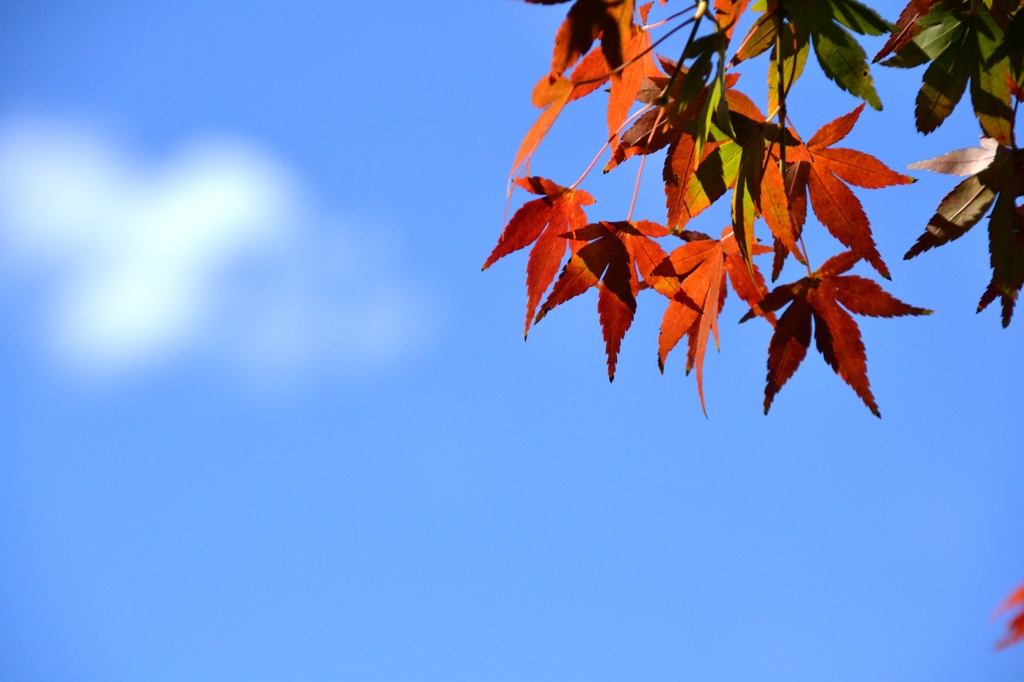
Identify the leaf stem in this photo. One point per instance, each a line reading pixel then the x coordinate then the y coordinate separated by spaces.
pixel 807 259
pixel 608 143
pixel 643 160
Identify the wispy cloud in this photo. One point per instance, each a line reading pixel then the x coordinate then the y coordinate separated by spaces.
pixel 215 250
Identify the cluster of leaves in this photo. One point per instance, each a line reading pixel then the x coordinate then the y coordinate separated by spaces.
pixel 981 42
pixel 718 143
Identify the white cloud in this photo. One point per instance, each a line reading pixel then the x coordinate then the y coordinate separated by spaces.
pixel 215 251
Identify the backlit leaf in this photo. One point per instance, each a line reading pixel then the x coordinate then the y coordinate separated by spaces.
pixel 962 162
pixel 826 296
pixel 844 61
pixel 542 222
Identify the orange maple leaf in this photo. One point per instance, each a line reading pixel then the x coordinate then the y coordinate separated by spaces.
pixel 542 222
pixel 626 86
pixel 835 205
pixel 826 296
pixel 728 13
pixel 617 256
pixel 588 20
pixel 553 92
pixel 692 278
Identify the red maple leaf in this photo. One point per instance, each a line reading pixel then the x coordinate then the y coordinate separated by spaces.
pixel 906 27
pixel 552 92
pixel 693 279
pixel 588 20
pixel 728 13
pixel 626 85
pixel 835 205
pixel 826 296
pixel 617 256
pixel 542 222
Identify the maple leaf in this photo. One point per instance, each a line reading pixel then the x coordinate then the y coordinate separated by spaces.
pixel 542 222
pixel 552 93
pixel 588 20
pixel 826 296
pixel 737 162
pixel 961 43
pixel 687 101
pixel 996 175
pixel 759 188
pixel 835 205
pixel 693 278
pixel 906 28
pixel 1015 629
pixel 553 96
pixel 728 13
pixel 691 186
pixel 826 24
pixel 795 48
pixel 616 257
pixel 676 120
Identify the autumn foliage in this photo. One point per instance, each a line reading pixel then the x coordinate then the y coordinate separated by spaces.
pixel 715 143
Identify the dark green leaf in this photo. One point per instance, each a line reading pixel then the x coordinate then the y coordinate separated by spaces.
pixel 745 196
pixel 944 84
pixel 760 37
pixel 990 94
pixel 844 61
pixel 962 208
pixel 859 18
pixel 940 29
pixel 792 65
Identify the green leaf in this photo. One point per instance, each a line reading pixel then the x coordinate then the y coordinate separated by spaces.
pixel 693 82
pixel 859 18
pixel 705 44
pixel 844 61
pixel 715 175
pixel 1006 256
pixel 990 94
pixel 944 84
pixel 711 103
pixel 1012 47
pixel 792 66
pixel 748 187
pixel 1007 264
pixel 939 30
pixel 759 38
pixel 722 118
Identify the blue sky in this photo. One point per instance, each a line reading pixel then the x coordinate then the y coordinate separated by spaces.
pixel 263 418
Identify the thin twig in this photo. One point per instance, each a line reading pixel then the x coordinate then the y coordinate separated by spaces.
pixel 643 159
pixel 807 258
pixel 607 144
